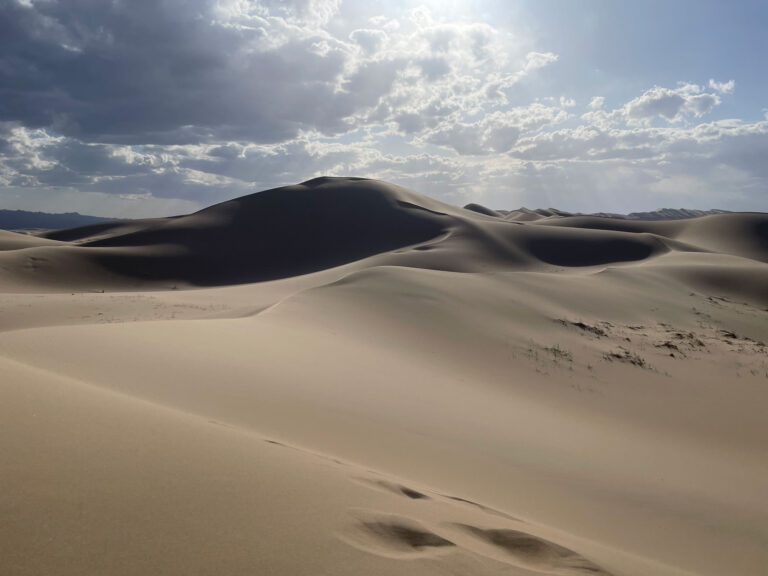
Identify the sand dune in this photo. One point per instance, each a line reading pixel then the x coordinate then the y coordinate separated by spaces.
pixel 329 222
pixel 368 381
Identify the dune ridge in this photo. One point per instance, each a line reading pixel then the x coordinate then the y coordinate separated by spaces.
pixel 327 222
pixel 352 378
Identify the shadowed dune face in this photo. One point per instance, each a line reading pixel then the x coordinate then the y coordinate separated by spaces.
pixel 480 209
pixel 744 235
pixel 105 229
pixel 579 249
pixel 273 234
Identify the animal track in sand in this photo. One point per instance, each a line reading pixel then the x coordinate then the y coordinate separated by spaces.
pixel 534 553
pixel 393 536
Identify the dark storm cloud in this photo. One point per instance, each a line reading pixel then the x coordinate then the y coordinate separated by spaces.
pixel 168 71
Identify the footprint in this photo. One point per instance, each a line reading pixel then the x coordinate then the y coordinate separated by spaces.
pixel 484 508
pixel 534 553
pixel 393 536
pixel 411 493
pixel 395 488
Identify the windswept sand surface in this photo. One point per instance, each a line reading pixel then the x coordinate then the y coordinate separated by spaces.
pixel 367 381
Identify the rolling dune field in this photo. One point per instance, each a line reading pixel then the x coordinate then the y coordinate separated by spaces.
pixel 347 377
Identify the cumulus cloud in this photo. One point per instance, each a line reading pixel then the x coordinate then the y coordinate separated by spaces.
pixel 369 40
pixel 671 104
pixel 496 131
pixel 312 12
pixel 685 102
pixel 722 87
pixel 536 60
pixel 597 102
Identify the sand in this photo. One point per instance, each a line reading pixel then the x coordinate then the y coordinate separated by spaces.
pixel 345 377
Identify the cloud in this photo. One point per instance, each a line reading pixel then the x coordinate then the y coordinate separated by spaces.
pixel 671 104
pixel 497 131
pixel 536 60
pixel 722 87
pixel 597 102
pixel 369 40
pixel 311 12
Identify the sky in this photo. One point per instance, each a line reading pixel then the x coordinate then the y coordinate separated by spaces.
pixel 139 108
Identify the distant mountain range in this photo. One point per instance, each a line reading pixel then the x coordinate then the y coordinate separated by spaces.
pixel 523 214
pixel 23 220
pixel 664 214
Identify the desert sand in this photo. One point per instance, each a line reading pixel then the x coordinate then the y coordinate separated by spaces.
pixel 347 377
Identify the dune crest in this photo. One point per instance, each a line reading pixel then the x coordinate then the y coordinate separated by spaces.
pixel 328 222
